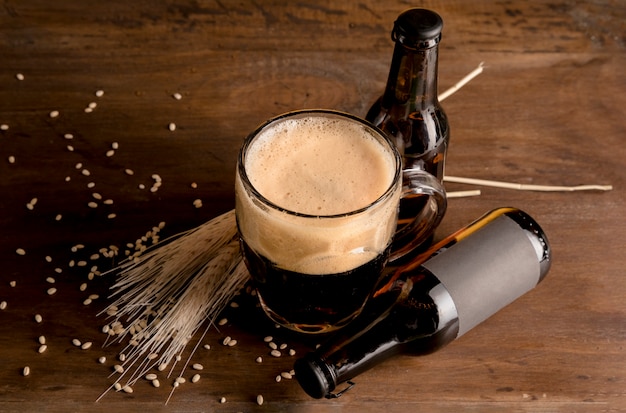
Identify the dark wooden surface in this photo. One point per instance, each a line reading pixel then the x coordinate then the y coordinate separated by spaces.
pixel 549 109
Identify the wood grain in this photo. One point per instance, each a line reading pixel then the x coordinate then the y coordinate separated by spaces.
pixel 549 109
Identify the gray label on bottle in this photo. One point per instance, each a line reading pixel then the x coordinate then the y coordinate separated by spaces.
pixel 487 271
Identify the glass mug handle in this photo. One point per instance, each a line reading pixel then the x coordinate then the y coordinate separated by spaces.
pixel 417 183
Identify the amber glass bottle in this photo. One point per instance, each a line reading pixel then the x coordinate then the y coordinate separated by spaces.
pixel 426 304
pixel 409 111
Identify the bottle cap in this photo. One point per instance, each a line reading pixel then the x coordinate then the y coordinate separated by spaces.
pixel 417 28
pixel 313 378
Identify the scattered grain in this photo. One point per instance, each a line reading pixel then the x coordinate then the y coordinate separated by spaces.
pixel 127 389
pixel 226 340
pixel 70 148
pixel 25 371
pixel 156 383
pixel 50 280
pixel 197 203
pixel 68 136
pixel 172 126
pixel 19 76
pixel 112 215
pixel 268 339
pixel 42 348
pixel 83 287
pixel 259 399
pixel 20 251
pixel 42 339
pixel 92 105
pixel 194 185
pixel 12 283
pixel 292 352
pixel 207 347
pixel 76 342
pixel 195 378
pixel 51 291
pixel 110 153
pixel 4 126
pixel 180 380
pixel 54 113
pixel 91 185
pixel 118 368
pixel 272 345
pixel 38 318
pixel 283 346
pixel 151 376
pixel 85 172
pixel 197 366
pixel 286 375
pixel 48 258
pixel 275 353
pixel 128 171
pixel 222 322
pixel 177 96
pixel 102 359
pixel 11 159
pixel 117 386
pixel 87 301
pixel 278 379
pixel 99 93
pixel 259 359
pixel 223 400
pixel 3 305
pixel 115 145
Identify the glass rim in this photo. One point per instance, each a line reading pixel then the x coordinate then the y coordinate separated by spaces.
pixel 242 174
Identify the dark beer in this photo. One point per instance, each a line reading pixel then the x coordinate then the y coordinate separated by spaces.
pixel 314 303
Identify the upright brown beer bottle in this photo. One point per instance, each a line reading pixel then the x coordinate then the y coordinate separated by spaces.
pixel 409 110
pixel 426 304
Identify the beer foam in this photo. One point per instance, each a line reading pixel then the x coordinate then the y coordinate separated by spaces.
pixel 318 166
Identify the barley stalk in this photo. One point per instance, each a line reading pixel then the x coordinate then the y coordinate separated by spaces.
pixel 165 295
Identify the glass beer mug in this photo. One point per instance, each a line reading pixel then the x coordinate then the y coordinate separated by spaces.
pixel 317 198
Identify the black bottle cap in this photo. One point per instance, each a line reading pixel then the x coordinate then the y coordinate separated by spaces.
pixel 417 28
pixel 312 378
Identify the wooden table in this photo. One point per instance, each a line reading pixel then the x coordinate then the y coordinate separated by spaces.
pixel 548 109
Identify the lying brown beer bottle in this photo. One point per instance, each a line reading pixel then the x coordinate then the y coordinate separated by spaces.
pixel 439 296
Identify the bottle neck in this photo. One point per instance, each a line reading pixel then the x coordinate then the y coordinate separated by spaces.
pixel 412 78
